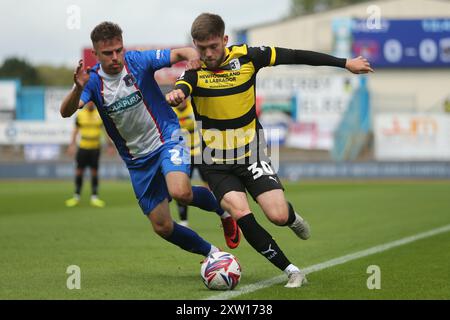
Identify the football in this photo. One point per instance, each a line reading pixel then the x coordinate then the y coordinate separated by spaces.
pixel 220 271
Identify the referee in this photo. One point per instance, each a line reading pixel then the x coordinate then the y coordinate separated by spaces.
pixel 88 125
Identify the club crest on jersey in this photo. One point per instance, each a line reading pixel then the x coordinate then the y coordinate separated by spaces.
pixel 235 64
pixel 129 79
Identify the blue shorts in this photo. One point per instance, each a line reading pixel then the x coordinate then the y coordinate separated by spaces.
pixel 148 179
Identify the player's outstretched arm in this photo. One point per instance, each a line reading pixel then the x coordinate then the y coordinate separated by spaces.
pixel 175 97
pixel 358 65
pixel 186 54
pixel 72 101
pixel 292 56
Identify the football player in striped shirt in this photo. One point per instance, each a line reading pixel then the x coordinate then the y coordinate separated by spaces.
pixel 234 160
pixel 89 128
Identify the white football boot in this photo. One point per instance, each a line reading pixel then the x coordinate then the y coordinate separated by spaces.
pixel 300 227
pixel 296 280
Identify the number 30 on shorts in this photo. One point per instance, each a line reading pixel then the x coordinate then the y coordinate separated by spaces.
pixel 258 172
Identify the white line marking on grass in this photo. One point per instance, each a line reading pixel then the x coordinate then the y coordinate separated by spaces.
pixel 330 263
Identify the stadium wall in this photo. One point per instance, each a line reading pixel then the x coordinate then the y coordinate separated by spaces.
pixel 288 170
pixel 315 32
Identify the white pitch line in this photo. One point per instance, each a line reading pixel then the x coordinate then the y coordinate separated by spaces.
pixel 330 263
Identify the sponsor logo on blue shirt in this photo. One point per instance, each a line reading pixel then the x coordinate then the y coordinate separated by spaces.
pixel 125 103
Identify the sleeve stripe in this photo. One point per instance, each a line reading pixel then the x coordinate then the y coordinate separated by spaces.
pixel 273 56
pixel 185 83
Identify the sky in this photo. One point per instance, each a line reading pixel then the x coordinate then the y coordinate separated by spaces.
pixel 55 31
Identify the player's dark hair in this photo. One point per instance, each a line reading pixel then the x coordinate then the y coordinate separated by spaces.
pixel 207 25
pixel 106 31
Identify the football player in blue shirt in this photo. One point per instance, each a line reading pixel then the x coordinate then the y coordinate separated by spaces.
pixel 146 132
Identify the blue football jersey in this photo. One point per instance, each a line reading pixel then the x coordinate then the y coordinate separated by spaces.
pixel 131 105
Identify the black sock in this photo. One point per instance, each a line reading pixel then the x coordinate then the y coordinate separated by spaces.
pixel 94 184
pixel 291 216
pixel 78 183
pixel 182 210
pixel 262 241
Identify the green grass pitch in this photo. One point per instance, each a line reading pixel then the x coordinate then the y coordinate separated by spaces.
pixel 120 257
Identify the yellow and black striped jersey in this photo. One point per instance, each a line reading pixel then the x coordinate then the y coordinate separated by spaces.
pixel 224 101
pixel 188 125
pixel 90 125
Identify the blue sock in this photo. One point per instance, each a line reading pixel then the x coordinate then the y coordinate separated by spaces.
pixel 204 199
pixel 188 240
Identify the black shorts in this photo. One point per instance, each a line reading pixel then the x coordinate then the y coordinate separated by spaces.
pixel 87 158
pixel 256 178
pixel 199 170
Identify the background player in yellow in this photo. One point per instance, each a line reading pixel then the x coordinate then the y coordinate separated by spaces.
pixel 89 128
pixel 186 117
pixel 233 146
